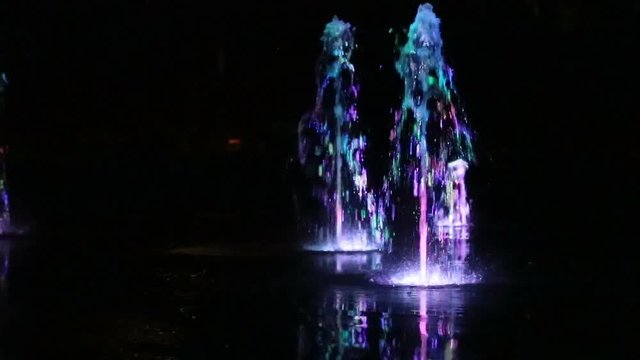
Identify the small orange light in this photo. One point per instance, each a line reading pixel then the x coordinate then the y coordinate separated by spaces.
pixel 234 141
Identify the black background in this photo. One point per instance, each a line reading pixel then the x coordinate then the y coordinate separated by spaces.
pixel 118 113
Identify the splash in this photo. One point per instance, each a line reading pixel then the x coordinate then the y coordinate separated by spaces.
pixel 431 148
pixel 436 276
pixel 332 151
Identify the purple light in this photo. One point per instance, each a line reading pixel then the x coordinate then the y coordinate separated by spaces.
pixel 332 151
pixel 435 277
pixel 431 149
pixel 424 336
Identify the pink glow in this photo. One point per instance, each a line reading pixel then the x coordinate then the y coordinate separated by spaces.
pixel 338 189
pixel 339 219
pixel 422 294
pixel 435 277
pixel 423 230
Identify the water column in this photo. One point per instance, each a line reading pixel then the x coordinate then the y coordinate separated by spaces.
pixel 331 149
pixel 431 143
pixel 5 215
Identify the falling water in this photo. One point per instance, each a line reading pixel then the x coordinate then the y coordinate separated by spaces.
pixel 5 215
pixel 431 146
pixel 331 149
pixel 4 196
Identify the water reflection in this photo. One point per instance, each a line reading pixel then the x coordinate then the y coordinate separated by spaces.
pixel 5 251
pixel 348 263
pixel 354 323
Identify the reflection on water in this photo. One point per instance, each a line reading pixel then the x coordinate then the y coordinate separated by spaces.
pixel 354 323
pixel 348 263
pixel 5 250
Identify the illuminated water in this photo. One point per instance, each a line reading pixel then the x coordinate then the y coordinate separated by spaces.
pixel 350 242
pixel 431 151
pixel 5 214
pixel 355 322
pixel 347 263
pixel 332 151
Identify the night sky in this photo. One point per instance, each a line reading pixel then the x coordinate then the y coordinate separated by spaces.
pixel 111 101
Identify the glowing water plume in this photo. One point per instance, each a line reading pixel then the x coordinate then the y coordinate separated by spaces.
pixel 5 215
pixel 331 149
pixel 431 143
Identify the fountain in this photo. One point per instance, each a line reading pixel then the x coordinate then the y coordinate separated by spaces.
pixel 5 215
pixel 332 150
pixel 424 196
pixel 5 223
pixel 431 149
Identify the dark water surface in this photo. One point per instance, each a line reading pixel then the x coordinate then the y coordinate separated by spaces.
pixel 90 304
